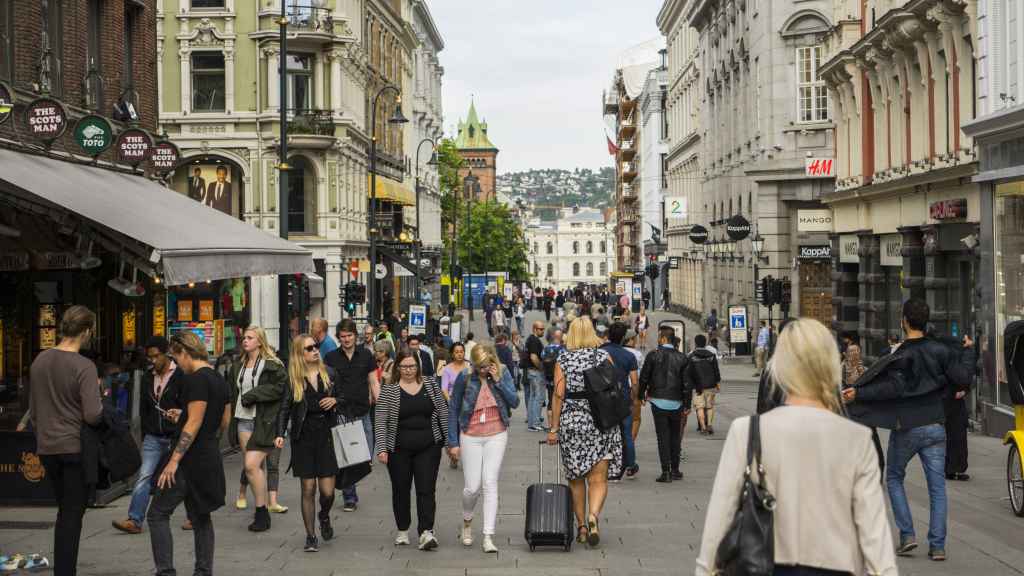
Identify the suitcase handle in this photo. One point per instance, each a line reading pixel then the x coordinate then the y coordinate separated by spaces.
pixel 540 460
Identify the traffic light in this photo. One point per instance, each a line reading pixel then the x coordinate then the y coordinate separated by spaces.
pixel 766 291
pixel 787 293
pixel 777 291
pixel 652 271
pixel 358 293
pixel 348 300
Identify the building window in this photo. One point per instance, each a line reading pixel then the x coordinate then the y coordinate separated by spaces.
pixel 536 269
pixel 575 247
pixel 53 38
pixel 7 39
pixel 664 171
pixel 575 268
pixel 208 82
pixel 604 247
pixel 551 249
pixel 208 3
pixel 590 247
pixel 664 117
pixel 93 60
pixel 131 20
pixel 300 81
pixel 604 268
pixel 812 96
pixel 301 197
pixel 590 268
pixel 551 270
pixel 535 248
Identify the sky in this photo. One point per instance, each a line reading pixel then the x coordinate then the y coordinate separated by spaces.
pixel 536 70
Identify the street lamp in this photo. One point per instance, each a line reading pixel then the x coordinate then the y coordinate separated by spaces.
pixel 396 118
pixel 419 237
pixel 472 187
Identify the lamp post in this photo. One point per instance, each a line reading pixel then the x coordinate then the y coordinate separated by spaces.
pixel 419 235
pixel 283 309
pixel 470 185
pixel 396 118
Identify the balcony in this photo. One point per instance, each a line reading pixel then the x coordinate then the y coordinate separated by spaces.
pixel 627 128
pixel 310 129
pixel 308 26
pixel 626 107
pixel 310 19
pixel 611 103
pixel 630 216
pixel 627 149
pixel 628 171
pixel 628 193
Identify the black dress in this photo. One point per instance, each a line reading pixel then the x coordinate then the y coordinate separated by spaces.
pixel 202 465
pixel 313 449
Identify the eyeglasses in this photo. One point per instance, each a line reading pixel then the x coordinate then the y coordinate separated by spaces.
pixel 309 348
pixel 408 366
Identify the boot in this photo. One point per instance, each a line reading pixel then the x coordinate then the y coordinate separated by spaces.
pixel 261 523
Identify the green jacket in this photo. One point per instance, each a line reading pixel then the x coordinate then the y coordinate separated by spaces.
pixel 267 396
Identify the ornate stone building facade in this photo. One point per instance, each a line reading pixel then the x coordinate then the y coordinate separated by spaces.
pixel 578 248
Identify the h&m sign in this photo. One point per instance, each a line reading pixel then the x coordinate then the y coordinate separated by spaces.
pixel 820 167
pixel 948 209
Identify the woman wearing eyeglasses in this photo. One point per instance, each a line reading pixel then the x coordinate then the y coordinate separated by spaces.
pixel 310 413
pixel 258 386
pixel 410 429
pixel 480 408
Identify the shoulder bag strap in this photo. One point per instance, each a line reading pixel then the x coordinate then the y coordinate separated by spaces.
pixel 754 450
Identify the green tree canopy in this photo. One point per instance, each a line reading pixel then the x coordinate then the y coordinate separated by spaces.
pixel 491 240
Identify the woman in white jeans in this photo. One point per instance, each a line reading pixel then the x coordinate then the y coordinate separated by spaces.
pixel 480 406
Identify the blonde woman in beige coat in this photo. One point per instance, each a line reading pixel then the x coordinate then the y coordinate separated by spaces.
pixel 821 467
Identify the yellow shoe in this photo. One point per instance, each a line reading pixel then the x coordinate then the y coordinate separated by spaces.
pixel 277 508
pixel 241 504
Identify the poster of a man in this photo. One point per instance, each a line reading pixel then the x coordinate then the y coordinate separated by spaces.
pixel 197 184
pixel 218 192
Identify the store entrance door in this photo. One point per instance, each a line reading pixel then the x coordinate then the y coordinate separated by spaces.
pixel 816 291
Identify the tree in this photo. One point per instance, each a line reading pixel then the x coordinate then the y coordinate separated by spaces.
pixel 448 163
pixel 492 241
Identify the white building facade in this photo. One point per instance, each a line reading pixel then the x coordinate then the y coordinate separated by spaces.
pixel 577 249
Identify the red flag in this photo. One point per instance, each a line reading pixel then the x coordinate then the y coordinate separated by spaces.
pixel 612 148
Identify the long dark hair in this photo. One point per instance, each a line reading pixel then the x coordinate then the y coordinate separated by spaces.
pixel 403 353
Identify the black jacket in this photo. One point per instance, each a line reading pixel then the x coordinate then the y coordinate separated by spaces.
pixel 294 413
pixel 108 447
pixel 702 371
pixel 906 389
pixel 153 423
pixel 664 376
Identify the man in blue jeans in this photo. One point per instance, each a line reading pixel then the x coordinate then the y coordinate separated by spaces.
pixel 904 392
pixel 535 378
pixel 625 361
pixel 160 390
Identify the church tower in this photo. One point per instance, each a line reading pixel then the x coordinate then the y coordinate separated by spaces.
pixel 479 154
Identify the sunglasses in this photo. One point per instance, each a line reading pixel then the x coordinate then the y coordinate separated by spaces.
pixel 309 348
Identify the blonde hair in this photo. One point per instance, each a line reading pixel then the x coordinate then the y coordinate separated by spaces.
pixel 190 344
pixel 581 334
pixel 297 366
pixel 265 350
pixel 806 363
pixel 484 354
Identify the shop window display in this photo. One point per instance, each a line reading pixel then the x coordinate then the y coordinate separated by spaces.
pixel 216 311
pixel 1009 271
pixel 211 182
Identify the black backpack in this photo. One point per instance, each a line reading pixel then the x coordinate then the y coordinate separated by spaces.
pixel 608 404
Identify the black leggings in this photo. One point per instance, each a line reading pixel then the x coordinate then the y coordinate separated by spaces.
pixel 420 464
pixel 71 493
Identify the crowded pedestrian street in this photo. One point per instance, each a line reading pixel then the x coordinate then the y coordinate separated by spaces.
pixel 649 528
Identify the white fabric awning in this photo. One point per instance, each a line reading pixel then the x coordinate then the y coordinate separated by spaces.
pixel 193 242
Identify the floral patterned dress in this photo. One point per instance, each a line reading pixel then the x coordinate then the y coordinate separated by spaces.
pixel 583 445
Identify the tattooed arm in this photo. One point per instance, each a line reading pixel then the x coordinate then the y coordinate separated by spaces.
pixel 196 411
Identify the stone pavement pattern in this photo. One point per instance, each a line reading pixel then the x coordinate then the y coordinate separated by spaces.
pixel 647 528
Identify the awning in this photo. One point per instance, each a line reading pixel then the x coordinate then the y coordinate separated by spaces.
pixel 391 191
pixel 193 242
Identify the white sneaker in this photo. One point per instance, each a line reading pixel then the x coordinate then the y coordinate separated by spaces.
pixel 402 539
pixel 427 540
pixel 489 547
pixel 467 533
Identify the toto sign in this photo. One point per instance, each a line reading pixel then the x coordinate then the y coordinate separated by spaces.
pixel 698 234
pixel 133 146
pixel 46 118
pixel 738 228
pixel 165 157
pixel 93 134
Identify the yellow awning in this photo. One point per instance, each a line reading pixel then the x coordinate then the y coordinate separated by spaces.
pixel 391 191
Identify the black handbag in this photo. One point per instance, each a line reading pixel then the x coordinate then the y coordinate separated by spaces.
pixel 748 547
pixel 608 404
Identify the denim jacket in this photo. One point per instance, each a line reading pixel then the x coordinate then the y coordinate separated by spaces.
pixel 462 402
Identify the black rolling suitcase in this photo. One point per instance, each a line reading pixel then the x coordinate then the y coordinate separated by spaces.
pixel 549 519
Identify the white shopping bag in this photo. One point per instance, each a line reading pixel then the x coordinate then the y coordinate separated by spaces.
pixel 350 446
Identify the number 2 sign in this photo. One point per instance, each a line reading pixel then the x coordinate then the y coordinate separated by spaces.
pixel 675 207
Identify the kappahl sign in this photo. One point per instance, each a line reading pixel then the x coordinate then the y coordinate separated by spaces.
pixel 814 220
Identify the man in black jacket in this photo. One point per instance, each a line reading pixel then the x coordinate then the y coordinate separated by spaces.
pixel 703 373
pixel 906 394
pixel 160 393
pixel 663 382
